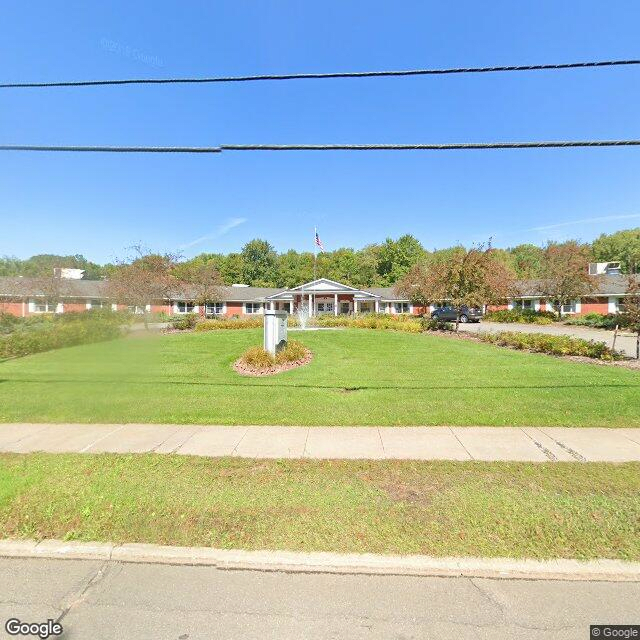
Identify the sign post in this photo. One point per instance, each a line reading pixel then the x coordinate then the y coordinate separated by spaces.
pixel 275 331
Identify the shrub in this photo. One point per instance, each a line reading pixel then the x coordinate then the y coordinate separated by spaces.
pixel 293 352
pixel 598 320
pixel 213 324
pixel 75 329
pixel 434 324
pixel 186 321
pixel 553 345
pixel 522 316
pixel 408 323
pixel 258 358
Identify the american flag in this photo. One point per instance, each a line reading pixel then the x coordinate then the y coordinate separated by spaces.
pixel 319 242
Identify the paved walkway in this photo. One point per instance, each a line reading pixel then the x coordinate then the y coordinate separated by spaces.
pixel 626 342
pixel 535 444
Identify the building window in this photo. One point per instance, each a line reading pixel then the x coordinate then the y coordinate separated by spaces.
pixel 185 307
pixel 97 304
pixel 40 306
pixel 135 309
pixel 251 308
pixel 402 307
pixel 214 308
pixel 325 307
pixel 568 308
pixel 286 306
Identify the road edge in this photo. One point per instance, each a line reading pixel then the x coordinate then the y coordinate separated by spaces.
pixel 324 562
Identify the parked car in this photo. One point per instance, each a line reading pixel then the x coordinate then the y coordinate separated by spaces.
pixel 449 313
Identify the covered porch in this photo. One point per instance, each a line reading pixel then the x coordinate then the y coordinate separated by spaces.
pixel 323 296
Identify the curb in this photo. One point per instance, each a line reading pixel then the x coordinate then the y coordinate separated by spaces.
pixel 321 562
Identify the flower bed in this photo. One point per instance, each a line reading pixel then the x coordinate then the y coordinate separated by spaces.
pixel 553 345
pixel 258 362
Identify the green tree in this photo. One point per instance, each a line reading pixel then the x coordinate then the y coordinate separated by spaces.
pixel 565 273
pixel 527 260
pixel 622 246
pixel 396 257
pixel 259 263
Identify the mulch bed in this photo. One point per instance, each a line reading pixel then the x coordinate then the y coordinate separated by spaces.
pixel 245 370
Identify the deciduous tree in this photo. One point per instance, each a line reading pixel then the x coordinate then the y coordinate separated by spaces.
pixel 472 278
pixel 631 308
pixel 565 273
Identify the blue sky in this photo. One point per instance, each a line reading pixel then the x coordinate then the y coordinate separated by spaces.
pixel 100 204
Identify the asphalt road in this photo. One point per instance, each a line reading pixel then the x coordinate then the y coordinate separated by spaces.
pixel 112 601
pixel 625 342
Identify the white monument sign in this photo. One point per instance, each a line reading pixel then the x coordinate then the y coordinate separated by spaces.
pixel 275 331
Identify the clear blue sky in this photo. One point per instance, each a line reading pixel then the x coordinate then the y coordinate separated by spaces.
pixel 99 204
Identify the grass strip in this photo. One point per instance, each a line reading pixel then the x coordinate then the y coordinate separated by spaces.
pixel 436 508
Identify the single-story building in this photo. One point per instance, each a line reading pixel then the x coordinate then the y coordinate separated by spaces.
pixel 22 296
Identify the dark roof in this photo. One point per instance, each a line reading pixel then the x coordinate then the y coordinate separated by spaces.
pixel 386 293
pixel 11 286
pixel 232 294
pixel 18 287
pixel 605 286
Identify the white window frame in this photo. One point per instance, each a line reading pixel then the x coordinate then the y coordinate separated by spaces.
pixel 256 308
pixel 49 307
pixel 186 303
pixel 399 307
pixel 214 305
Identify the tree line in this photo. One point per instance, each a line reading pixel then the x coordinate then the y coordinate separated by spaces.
pixel 383 264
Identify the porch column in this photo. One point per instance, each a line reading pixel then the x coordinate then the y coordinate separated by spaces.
pixel 310 306
pixel 335 304
pixel 377 305
pixel 355 305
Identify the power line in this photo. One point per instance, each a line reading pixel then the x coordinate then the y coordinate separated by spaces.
pixel 321 76
pixel 554 144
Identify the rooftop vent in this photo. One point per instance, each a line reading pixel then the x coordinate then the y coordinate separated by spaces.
pixel 604 268
pixel 68 274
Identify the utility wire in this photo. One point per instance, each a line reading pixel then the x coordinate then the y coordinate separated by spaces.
pixel 332 147
pixel 321 76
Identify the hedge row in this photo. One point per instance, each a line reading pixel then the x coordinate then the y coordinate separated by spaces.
pixel 409 324
pixel 56 334
pixel 522 316
pixel 553 345
pixel 599 320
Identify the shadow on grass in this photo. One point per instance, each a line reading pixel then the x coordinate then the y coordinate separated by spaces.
pixel 341 388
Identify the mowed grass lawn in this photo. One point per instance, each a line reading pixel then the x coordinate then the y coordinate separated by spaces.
pixel 357 377
pixel 436 508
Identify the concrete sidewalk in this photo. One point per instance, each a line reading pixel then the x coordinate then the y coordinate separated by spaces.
pixel 532 444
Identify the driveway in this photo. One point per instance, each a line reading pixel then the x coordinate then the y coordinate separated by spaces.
pixel 625 343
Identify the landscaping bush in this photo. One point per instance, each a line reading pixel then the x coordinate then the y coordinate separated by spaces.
pixel 187 321
pixel 213 324
pixel 553 345
pixel 435 324
pixel 522 316
pixel 407 323
pixel 259 358
pixel 293 352
pixel 598 320
pixel 59 332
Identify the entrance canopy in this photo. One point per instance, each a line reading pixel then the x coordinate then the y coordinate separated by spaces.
pixel 323 287
pixel 327 296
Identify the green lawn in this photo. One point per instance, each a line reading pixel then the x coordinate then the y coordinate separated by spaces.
pixel 357 377
pixel 436 508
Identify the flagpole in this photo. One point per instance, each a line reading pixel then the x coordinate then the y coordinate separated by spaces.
pixel 315 259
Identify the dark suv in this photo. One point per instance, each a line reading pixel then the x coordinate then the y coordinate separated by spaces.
pixel 449 313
